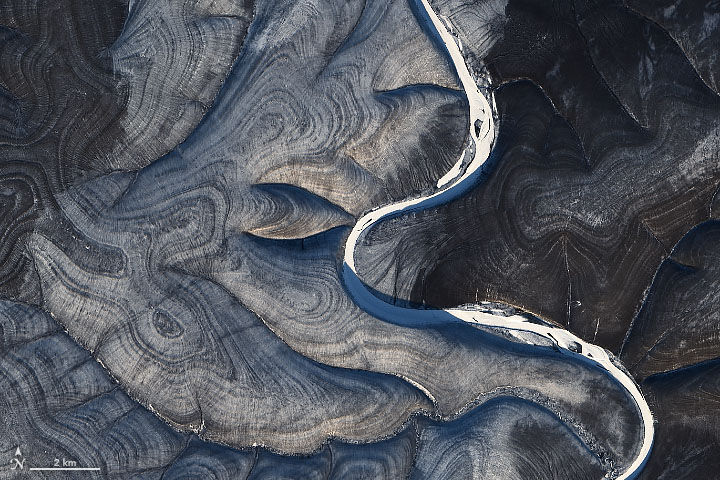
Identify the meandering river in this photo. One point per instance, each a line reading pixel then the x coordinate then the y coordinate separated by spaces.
pixel 463 176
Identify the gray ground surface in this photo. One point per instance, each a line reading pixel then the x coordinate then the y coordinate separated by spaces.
pixel 178 179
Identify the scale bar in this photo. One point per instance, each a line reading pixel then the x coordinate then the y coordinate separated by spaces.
pixel 87 469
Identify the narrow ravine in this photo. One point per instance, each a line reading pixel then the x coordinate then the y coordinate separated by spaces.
pixel 463 176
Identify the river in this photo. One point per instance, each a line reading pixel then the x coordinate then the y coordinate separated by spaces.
pixel 463 176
